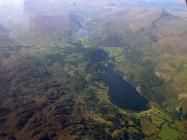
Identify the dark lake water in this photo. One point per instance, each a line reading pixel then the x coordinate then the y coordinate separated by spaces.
pixel 123 94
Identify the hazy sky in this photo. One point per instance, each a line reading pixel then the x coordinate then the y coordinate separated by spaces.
pixel 11 1
pixel 15 7
pixel 155 1
pixel 162 3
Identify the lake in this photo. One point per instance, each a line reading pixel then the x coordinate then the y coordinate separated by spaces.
pixel 123 94
pixel 82 32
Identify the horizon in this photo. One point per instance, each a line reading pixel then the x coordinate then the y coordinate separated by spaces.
pixel 179 4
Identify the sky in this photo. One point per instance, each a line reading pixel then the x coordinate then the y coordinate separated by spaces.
pixel 14 7
pixel 18 4
pixel 161 1
pixel 156 3
pixel 11 2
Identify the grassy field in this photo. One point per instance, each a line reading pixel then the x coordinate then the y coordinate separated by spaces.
pixel 167 133
pixel 159 125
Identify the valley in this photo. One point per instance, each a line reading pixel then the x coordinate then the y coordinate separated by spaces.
pixel 109 73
